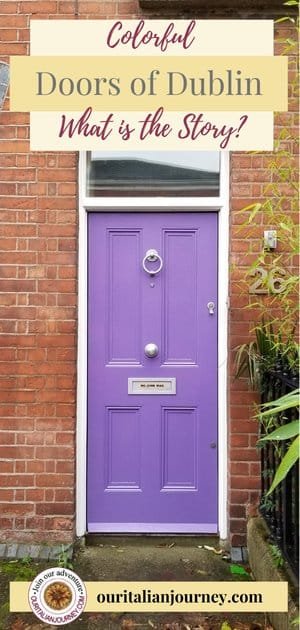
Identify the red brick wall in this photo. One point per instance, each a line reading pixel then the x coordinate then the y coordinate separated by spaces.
pixel 38 255
pixel 38 311
pixel 249 179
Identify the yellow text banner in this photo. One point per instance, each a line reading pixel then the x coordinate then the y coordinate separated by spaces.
pixel 131 84
pixel 104 597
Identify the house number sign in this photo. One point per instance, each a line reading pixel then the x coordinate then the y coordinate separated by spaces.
pixel 268 282
pixel 152 386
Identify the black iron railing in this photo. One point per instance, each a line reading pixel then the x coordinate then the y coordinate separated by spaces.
pixel 280 509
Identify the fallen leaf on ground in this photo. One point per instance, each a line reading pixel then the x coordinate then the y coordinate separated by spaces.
pixel 201 572
pixel 185 560
pixel 217 551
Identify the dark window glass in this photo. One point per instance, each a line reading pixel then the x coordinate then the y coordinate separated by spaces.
pixel 153 173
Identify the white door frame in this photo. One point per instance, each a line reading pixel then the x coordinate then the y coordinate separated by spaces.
pixel 153 204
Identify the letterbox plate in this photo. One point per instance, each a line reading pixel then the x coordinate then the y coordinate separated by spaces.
pixel 160 386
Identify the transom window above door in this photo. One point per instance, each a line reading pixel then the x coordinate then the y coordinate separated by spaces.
pixel 150 173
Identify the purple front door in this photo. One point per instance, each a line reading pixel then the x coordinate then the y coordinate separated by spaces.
pixel 152 420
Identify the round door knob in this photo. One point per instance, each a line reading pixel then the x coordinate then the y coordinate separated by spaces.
pixel 151 350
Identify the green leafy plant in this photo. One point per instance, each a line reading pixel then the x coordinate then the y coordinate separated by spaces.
pixel 4 613
pixel 266 503
pixel 272 297
pixel 261 355
pixel 275 295
pixel 239 572
pixel 290 43
pixel 19 570
pixel 277 555
pixel 285 432
pixel 64 559
pixel 295 621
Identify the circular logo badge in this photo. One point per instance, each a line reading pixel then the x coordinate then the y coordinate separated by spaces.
pixel 57 596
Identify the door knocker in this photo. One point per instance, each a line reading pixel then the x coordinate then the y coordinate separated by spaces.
pixel 152 256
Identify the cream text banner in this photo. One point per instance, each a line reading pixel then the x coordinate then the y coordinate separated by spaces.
pixel 257 131
pixel 211 37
